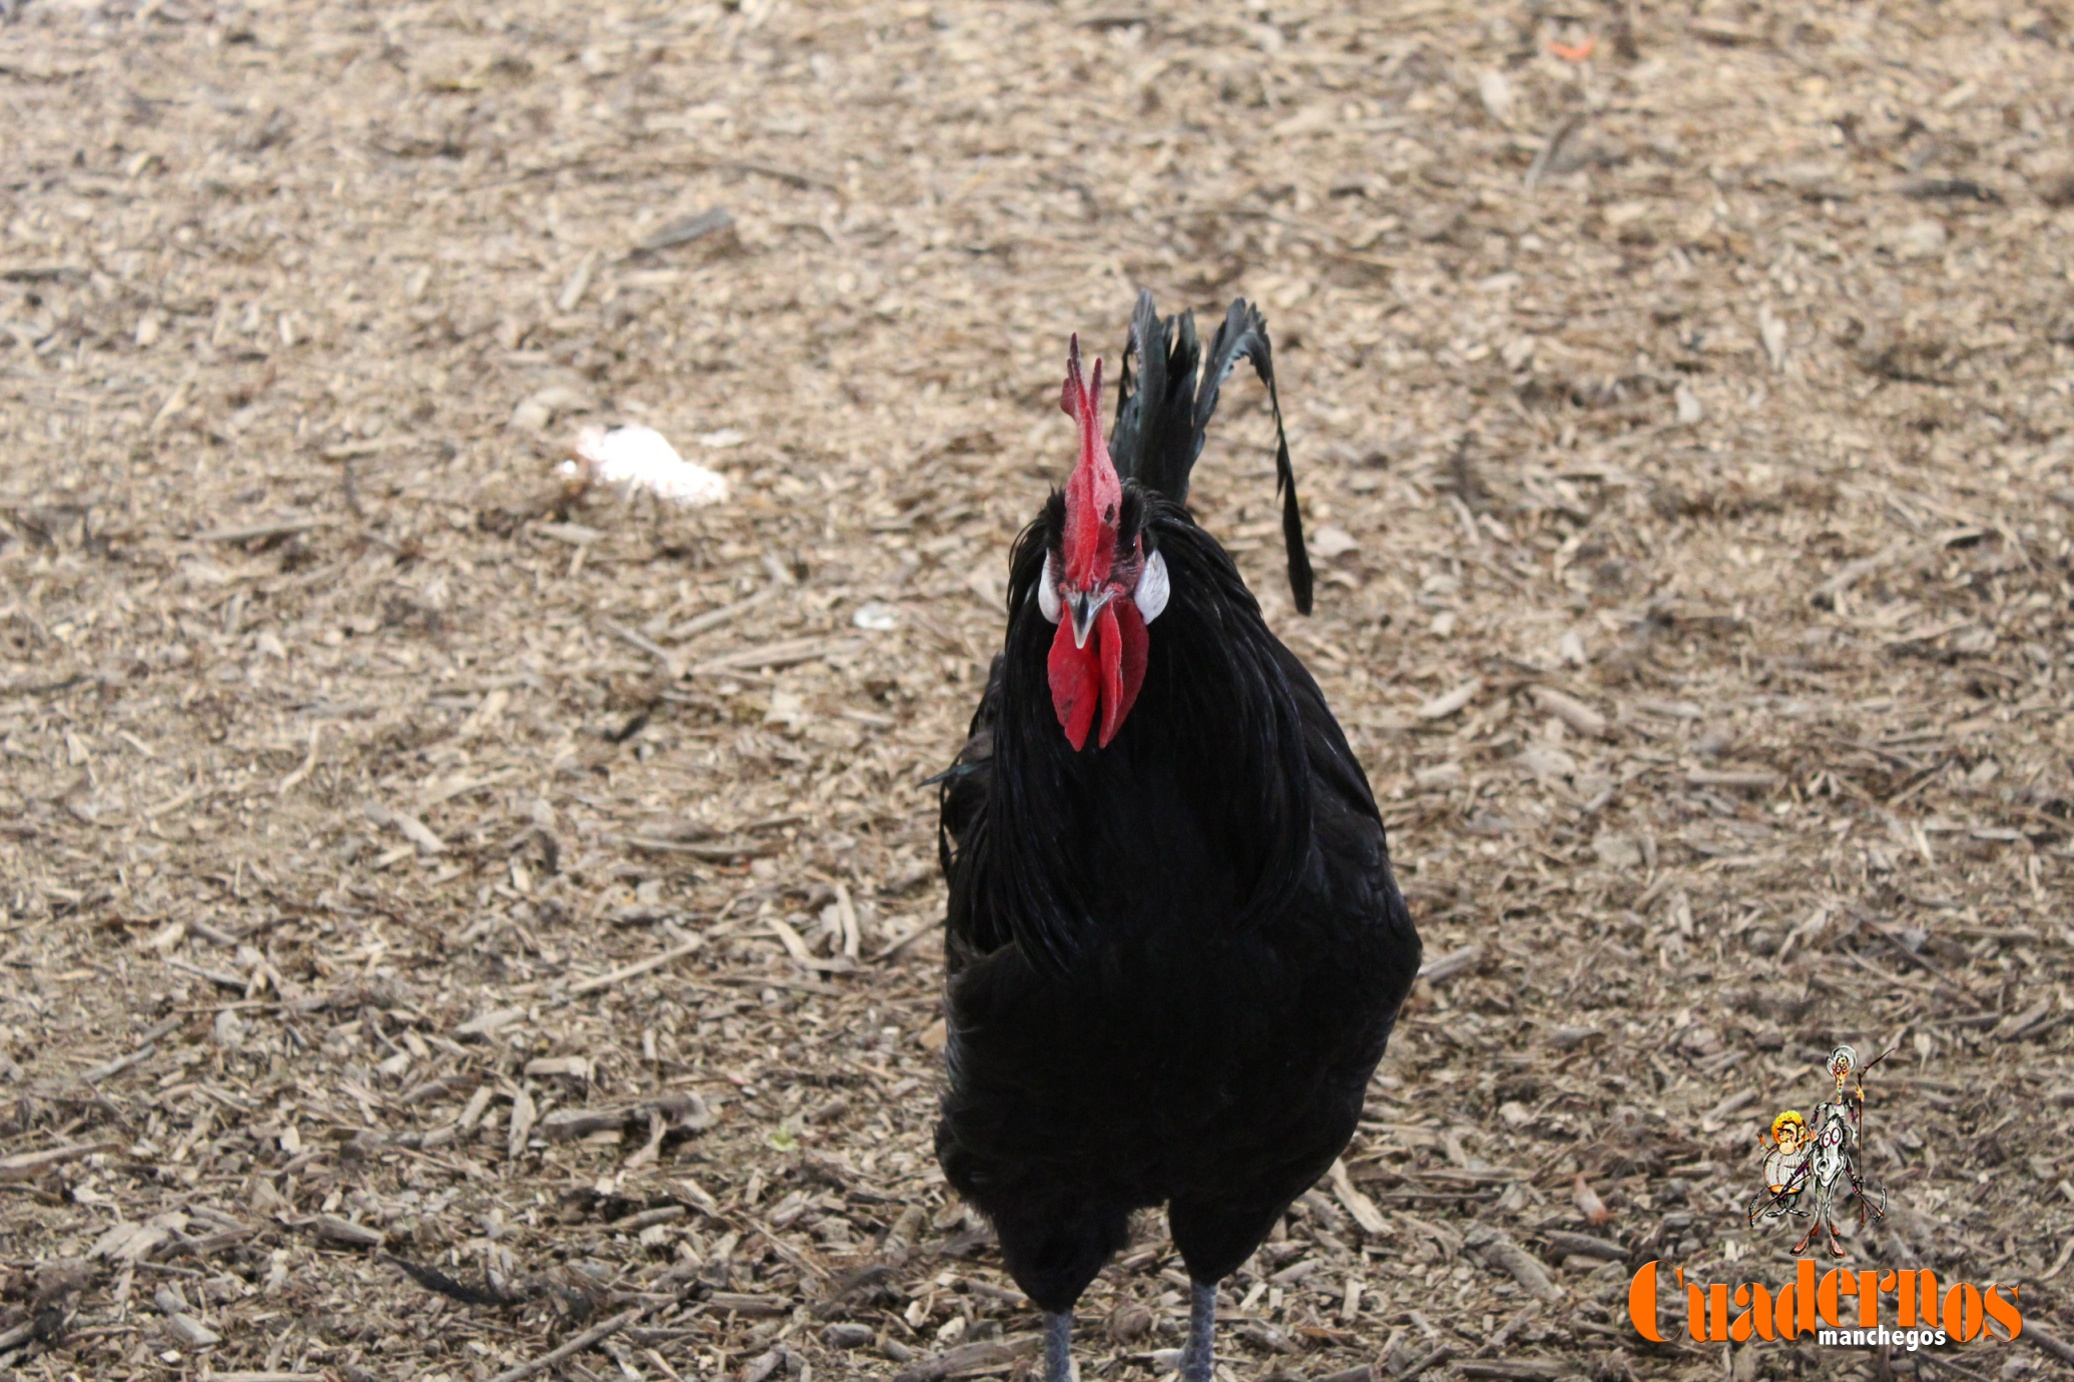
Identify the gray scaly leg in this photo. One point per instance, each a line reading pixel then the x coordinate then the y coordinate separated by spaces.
pixel 1197 1360
pixel 1058 1347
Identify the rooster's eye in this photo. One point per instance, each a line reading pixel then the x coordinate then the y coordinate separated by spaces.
pixel 1151 595
pixel 1048 592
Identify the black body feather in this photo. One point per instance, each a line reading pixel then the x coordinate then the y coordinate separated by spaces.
pixel 1174 962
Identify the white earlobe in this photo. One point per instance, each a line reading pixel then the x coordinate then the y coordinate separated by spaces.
pixel 1151 595
pixel 1048 592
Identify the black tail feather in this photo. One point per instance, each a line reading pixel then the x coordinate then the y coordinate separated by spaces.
pixel 432 1279
pixel 1163 412
pixel 1156 440
pixel 1244 335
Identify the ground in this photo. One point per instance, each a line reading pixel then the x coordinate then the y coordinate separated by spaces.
pixel 407 858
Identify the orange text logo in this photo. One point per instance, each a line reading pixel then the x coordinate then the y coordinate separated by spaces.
pixel 1812 1304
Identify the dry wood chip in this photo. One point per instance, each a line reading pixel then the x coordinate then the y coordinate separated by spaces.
pixel 252 532
pixel 568 1067
pixel 1519 1369
pixel 29 1165
pixel 788 653
pixel 616 977
pixel 1296 1271
pixel 634 638
pixel 1438 775
pixel 680 1111
pixel 1448 702
pixel 1449 1242
pixel 333 1229
pixel 1442 968
pixel 970 1360
pixel 684 230
pixel 129 1242
pixel 250 511
pixel 588 1339
pixel 714 618
pixel 575 534
pixel 2049 1342
pixel 1572 712
pixel 436 1089
pixel 436 792
pixel 1716 1116
pixel 802 954
pixel 173 803
pixel 1727 777
pixel 1585 1245
pixel 478 1103
pixel 697 849
pixel 846 920
pixel 1357 1204
pixel 409 826
pixel 1496 1250
pixel 1267 1336
pixel 571 1123
pixel 909 934
pixel 2017 1024
pixel 698 1196
pixel 489 1023
pixel 523 1114
pixel 578 283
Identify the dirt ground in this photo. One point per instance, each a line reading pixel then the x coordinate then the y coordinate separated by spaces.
pixel 404 859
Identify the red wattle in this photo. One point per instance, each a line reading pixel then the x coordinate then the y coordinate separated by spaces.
pixel 1104 675
pixel 1075 689
pixel 1132 645
pixel 1108 643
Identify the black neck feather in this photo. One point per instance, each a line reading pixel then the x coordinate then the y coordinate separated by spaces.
pixel 1198 814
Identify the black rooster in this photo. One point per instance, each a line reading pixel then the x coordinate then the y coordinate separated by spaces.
pixel 1175 954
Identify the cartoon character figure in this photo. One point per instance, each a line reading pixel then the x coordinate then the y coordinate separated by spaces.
pixel 1818 1160
pixel 1785 1167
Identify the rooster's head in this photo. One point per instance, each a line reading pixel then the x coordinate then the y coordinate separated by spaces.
pixel 1100 586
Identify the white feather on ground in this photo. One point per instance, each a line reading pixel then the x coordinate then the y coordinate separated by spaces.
pixel 642 459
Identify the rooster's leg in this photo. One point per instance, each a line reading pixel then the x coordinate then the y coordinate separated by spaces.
pixel 1198 1359
pixel 1058 1347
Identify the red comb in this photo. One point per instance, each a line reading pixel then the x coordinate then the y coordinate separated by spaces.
pixel 1093 493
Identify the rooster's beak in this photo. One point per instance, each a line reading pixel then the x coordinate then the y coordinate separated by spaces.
pixel 1084 607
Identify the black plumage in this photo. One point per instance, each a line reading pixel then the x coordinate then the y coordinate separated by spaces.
pixel 1162 415
pixel 1174 961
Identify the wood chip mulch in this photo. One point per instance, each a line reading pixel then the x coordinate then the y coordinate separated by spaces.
pixel 453 926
